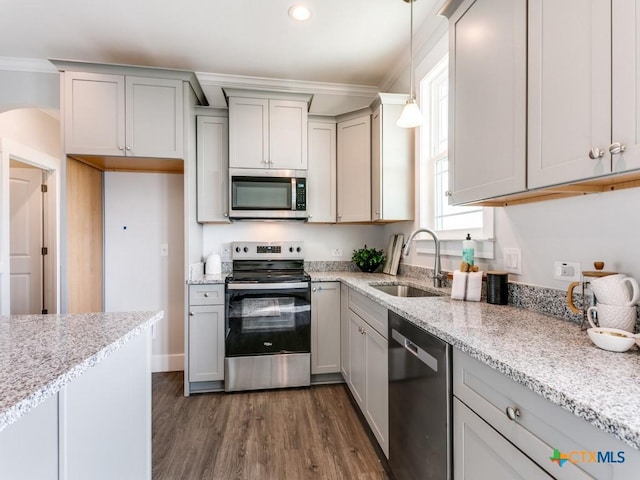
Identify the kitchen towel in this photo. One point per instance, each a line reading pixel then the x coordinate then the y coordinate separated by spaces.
pixel 474 287
pixel 459 286
pixel 466 286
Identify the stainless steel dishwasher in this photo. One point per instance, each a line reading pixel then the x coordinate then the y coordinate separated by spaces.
pixel 419 403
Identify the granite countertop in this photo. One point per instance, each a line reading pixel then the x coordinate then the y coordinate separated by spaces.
pixel 207 279
pixel 549 355
pixel 40 354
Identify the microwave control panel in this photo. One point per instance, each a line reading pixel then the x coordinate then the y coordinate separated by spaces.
pixel 301 194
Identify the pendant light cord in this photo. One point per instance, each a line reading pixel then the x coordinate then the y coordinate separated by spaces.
pixel 411 96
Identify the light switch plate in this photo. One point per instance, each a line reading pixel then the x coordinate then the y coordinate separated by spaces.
pixel 336 252
pixel 512 259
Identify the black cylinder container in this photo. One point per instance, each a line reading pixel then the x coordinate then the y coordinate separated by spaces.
pixel 497 288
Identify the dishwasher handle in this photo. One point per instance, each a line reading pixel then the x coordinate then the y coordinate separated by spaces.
pixel 422 355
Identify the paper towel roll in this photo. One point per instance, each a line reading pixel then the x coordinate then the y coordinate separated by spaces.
pixel 213 265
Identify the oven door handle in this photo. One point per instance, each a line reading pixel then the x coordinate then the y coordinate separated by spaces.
pixel 267 286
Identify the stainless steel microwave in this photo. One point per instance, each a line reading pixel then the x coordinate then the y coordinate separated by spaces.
pixel 267 194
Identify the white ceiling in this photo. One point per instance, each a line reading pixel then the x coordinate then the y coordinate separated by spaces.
pixel 360 45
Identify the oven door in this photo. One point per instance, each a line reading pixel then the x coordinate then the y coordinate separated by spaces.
pixel 267 318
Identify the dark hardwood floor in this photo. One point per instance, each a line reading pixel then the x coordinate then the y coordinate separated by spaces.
pixel 308 433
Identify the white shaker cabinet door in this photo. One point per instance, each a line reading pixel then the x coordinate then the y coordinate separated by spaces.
pixel 354 170
pixel 321 179
pixel 154 117
pixel 325 328
pixel 94 114
pixel 569 90
pixel 213 169
pixel 248 132
pixel 487 100
pixel 626 84
pixel 288 134
pixel 481 453
pixel 206 343
pixel 377 387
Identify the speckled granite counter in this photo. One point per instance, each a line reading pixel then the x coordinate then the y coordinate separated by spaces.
pixel 40 354
pixel 207 279
pixel 551 356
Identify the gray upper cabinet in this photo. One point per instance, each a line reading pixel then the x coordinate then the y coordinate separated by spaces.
pixel 487 95
pixel 569 90
pixel 267 133
pixel 321 179
pixel 122 115
pixel 626 84
pixel 354 169
pixel 212 169
pixel 392 161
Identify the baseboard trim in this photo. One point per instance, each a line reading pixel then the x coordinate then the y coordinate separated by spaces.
pixel 167 363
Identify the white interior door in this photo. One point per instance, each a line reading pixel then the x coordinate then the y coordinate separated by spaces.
pixel 25 253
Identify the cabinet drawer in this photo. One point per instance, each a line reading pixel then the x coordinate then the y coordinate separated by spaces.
pixel 541 426
pixel 371 312
pixel 206 294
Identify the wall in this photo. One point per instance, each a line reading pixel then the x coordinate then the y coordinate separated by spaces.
pixel 319 240
pixel 19 89
pixel 32 136
pixel 137 276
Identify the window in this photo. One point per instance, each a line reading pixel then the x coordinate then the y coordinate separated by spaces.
pixel 449 221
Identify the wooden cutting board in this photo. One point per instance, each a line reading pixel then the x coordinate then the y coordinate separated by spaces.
pixel 393 253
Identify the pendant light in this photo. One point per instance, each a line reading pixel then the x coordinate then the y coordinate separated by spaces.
pixel 411 115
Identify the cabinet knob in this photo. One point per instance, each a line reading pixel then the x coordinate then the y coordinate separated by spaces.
pixel 339 216
pixel 513 413
pixel 314 289
pixel 595 153
pixel 191 314
pixel 128 147
pixel 120 147
pixel 448 194
pixel 616 147
pixel 226 214
pixel 206 295
pixel 310 216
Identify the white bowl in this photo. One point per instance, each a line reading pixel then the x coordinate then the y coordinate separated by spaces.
pixel 612 339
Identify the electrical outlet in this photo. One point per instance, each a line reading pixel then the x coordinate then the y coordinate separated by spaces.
pixel 512 259
pixel 225 253
pixel 164 250
pixel 336 252
pixel 567 271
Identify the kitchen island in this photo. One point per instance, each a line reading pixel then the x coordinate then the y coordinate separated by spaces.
pixel 75 394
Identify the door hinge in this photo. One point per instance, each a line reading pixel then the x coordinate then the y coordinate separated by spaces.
pixel 45 250
pixel 43 188
pixel 45 311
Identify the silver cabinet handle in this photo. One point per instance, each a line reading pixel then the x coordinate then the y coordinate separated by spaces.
pixel 206 295
pixel 120 147
pixel 191 314
pixel 314 289
pixel 128 147
pixel 339 216
pixel 512 413
pixel 226 214
pixel 616 147
pixel 595 153
pixel 448 194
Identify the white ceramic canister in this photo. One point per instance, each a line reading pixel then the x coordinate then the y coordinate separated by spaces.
pixel 213 266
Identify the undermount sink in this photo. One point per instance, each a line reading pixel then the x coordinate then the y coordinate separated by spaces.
pixel 399 290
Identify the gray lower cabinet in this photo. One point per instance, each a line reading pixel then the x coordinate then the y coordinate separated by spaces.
pixel 325 328
pixel 366 365
pixel 481 453
pixel 205 333
pixel 514 417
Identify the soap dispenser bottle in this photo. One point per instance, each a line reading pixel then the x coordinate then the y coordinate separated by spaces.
pixel 468 249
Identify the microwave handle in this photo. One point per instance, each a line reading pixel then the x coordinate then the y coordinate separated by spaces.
pixel 293 192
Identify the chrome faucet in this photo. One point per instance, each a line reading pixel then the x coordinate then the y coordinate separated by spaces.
pixel 437 270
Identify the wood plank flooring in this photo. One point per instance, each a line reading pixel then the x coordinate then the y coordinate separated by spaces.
pixel 308 433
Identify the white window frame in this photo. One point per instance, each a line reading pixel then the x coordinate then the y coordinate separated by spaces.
pixel 425 177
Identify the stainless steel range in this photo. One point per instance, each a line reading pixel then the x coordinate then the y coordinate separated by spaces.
pixel 268 317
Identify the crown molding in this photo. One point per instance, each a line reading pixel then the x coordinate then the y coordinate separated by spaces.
pixel 284 85
pixel 36 65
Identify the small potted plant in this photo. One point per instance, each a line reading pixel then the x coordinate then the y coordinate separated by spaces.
pixel 367 259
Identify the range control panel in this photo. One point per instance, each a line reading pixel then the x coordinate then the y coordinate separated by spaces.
pixel 267 250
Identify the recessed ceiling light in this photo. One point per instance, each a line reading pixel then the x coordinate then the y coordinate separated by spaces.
pixel 300 13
